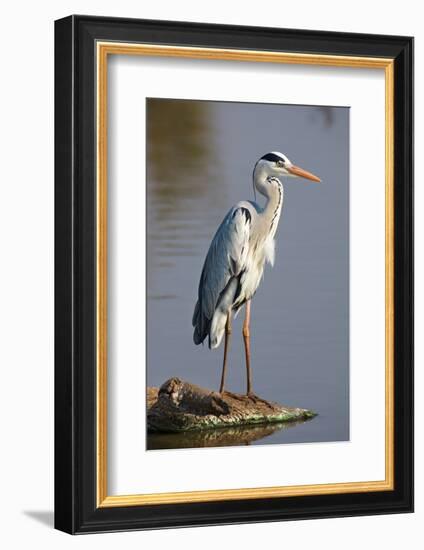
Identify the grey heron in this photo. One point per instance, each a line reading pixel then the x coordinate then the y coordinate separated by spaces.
pixel 236 258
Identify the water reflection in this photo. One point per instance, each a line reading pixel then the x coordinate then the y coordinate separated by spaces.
pixel 327 114
pixel 180 147
pixel 220 437
pixel 176 145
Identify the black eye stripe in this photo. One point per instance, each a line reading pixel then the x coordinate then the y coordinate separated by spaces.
pixel 272 157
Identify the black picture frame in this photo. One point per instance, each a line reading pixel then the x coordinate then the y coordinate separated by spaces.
pixel 76 510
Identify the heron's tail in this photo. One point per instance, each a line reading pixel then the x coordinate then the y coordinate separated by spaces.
pixel 201 325
pixel 222 310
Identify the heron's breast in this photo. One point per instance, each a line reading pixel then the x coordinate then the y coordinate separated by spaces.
pixel 252 275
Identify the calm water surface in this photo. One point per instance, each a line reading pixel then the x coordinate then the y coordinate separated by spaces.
pixel 200 161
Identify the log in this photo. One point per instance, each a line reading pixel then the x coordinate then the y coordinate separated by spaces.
pixel 179 406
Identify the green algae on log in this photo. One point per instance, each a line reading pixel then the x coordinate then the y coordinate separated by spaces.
pixel 179 406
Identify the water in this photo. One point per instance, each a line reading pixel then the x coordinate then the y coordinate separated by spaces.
pixel 200 161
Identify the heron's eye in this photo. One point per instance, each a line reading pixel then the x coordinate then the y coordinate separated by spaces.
pixel 280 163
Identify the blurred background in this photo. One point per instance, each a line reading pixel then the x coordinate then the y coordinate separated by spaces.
pixel 200 158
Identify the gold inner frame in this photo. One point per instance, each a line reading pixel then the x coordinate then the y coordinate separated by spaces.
pixel 104 49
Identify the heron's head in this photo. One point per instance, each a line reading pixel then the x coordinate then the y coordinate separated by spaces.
pixel 277 165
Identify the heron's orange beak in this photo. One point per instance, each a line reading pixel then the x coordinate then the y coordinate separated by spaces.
pixel 296 171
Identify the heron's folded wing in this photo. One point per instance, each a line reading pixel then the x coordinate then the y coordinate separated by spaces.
pixel 226 258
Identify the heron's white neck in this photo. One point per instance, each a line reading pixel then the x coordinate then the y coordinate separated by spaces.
pixel 274 194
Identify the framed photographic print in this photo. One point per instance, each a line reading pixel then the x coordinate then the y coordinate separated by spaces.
pixel 234 267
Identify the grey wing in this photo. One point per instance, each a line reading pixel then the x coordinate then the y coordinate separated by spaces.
pixel 224 262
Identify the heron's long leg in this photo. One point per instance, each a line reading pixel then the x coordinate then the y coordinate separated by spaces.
pixel 228 331
pixel 246 338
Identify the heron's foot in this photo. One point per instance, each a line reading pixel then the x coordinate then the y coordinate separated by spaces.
pixel 256 399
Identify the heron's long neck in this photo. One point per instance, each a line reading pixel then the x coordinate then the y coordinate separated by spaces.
pixel 273 207
pixel 274 200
